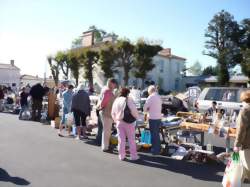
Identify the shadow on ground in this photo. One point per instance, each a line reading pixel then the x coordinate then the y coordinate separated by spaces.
pixel 206 172
pixel 5 177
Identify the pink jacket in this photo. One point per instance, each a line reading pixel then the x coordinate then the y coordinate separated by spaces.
pixel 118 107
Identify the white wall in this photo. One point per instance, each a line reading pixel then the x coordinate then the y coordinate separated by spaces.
pixel 10 76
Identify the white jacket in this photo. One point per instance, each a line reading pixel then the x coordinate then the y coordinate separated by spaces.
pixel 118 107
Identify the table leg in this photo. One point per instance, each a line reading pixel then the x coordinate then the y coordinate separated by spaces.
pixel 227 144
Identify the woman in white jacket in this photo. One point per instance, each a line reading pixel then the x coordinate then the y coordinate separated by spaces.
pixel 125 129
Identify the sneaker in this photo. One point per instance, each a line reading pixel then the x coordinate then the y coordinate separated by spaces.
pixel 135 159
pixel 60 135
pixel 107 151
pixel 77 138
pixel 84 137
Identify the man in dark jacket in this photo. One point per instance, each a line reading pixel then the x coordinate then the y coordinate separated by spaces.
pixel 37 92
pixel 81 109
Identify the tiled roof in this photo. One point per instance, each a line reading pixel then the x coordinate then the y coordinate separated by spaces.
pixel 8 66
pixel 236 79
pixel 30 77
pixel 167 54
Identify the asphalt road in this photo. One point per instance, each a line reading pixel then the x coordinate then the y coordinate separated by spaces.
pixel 31 154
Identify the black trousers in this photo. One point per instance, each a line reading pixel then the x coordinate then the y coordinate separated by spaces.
pixel 37 106
pixel 80 118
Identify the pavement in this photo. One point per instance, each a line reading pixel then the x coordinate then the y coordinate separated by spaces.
pixel 31 154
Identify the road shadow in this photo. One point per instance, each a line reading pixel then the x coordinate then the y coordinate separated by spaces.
pixel 5 177
pixel 206 172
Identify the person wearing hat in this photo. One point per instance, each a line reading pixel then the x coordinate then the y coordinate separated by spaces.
pixel 81 109
pixel 242 140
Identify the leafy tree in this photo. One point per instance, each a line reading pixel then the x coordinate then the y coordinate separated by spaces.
pixel 108 56
pixel 76 43
pixel 245 47
pixel 62 59
pixel 55 69
pixel 144 54
pixel 245 34
pixel 245 64
pixel 125 55
pixel 210 70
pixel 222 43
pixel 89 58
pixel 74 64
pixel 195 69
pixel 98 33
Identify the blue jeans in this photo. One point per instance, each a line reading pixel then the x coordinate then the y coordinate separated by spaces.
pixel 154 127
pixel 65 111
pixel 23 108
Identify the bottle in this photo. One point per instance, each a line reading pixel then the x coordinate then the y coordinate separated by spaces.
pixel 209 147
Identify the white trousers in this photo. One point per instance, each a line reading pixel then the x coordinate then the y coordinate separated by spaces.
pixel 106 132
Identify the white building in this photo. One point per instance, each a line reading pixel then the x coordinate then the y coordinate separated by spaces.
pixel 167 72
pixel 9 75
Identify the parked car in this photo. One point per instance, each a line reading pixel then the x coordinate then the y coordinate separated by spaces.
pixel 227 98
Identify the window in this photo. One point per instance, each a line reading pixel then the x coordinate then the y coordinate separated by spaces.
pixel 226 95
pixel 212 94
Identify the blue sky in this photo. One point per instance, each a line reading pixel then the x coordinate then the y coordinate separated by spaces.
pixel 32 29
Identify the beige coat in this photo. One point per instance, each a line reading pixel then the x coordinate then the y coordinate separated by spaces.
pixel 243 128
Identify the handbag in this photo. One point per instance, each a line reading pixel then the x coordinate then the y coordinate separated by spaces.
pixel 128 117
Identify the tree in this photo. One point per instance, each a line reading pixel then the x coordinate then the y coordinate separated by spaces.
pixel 195 69
pixel 245 64
pixel 76 43
pixel 108 56
pixel 74 64
pixel 245 34
pixel 245 47
pixel 98 33
pixel 62 59
pixel 125 55
pixel 210 70
pixel 55 69
pixel 89 58
pixel 222 43
pixel 143 59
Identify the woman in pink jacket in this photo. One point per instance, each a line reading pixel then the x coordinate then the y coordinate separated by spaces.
pixel 125 129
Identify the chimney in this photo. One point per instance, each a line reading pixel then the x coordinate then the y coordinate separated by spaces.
pixel 168 51
pixel 12 62
pixel 88 38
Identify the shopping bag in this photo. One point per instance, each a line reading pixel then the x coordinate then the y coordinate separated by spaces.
pixel 146 137
pixel 26 115
pixel 69 119
pixel 233 172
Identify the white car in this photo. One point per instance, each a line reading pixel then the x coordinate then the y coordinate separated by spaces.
pixel 227 98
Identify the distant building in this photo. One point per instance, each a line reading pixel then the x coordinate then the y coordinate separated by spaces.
pixel 10 75
pixel 32 80
pixel 167 73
